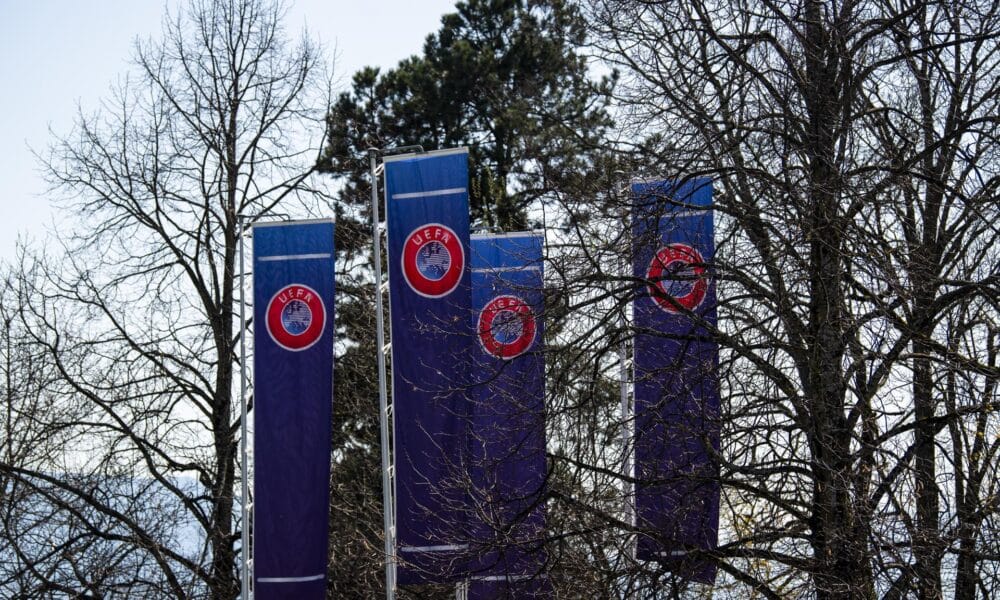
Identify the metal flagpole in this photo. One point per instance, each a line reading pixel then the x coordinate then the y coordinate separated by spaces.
pixel 623 370
pixel 244 491
pixel 387 492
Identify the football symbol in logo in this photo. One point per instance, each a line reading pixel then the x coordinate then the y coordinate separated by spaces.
pixel 506 327
pixel 433 260
pixel 677 272
pixel 296 317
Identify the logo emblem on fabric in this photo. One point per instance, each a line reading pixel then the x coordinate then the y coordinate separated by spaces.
pixel 506 327
pixel 433 260
pixel 677 273
pixel 296 317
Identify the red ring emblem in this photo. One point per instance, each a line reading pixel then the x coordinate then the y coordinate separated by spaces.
pixel 296 317
pixel 506 327
pixel 677 272
pixel 433 260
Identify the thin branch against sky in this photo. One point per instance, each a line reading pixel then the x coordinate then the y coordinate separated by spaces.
pixel 57 55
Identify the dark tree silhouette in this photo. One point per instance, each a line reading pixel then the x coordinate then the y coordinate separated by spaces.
pixel 136 317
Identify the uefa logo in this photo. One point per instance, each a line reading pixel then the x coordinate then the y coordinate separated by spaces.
pixel 433 260
pixel 677 272
pixel 506 327
pixel 295 317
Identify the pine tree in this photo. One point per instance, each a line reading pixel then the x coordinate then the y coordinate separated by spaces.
pixel 505 78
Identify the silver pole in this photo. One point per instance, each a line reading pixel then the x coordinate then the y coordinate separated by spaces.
pixel 387 499
pixel 623 372
pixel 244 492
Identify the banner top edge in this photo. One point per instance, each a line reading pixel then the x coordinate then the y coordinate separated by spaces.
pixel 679 179
pixel 428 154
pixel 318 221
pixel 512 234
pixel 509 269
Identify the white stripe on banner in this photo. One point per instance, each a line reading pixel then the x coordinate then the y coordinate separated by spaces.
pixel 681 214
pixel 511 234
pixel 428 193
pixel 292 257
pixel 506 577
pixel 443 548
pixel 291 579
pixel 506 269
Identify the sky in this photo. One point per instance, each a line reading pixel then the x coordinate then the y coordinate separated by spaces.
pixel 56 55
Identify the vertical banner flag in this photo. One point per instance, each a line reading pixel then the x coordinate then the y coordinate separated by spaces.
pixel 676 376
pixel 293 394
pixel 427 214
pixel 508 437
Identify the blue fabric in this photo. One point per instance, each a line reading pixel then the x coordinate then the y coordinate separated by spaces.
pixel 534 587
pixel 676 376
pixel 293 394
pixel 508 442
pixel 427 211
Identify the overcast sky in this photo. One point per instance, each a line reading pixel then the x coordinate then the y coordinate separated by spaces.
pixel 57 54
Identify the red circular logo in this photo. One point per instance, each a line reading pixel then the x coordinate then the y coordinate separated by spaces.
pixel 677 272
pixel 433 260
pixel 296 317
pixel 506 327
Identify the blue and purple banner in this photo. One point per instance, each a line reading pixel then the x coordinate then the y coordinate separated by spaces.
pixel 508 416
pixel 427 213
pixel 293 267
pixel 676 376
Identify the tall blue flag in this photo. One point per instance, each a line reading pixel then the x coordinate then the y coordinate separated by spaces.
pixel 508 440
pixel 676 376
pixel 427 212
pixel 293 265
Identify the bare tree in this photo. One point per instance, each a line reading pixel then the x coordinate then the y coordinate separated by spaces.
pixel 939 240
pixel 136 318
pixel 852 149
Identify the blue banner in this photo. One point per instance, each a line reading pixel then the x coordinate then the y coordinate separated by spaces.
pixel 293 268
pixel 520 587
pixel 508 441
pixel 427 214
pixel 676 376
